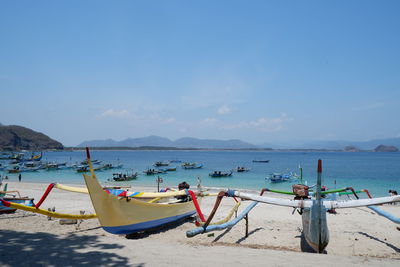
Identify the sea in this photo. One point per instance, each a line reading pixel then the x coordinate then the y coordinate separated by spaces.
pixel 378 172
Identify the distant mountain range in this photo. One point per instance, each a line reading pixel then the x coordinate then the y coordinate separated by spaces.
pixel 157 141
pixel 339 144
pixel 190 142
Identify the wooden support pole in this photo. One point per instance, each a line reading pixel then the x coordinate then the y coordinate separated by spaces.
pixel 247 224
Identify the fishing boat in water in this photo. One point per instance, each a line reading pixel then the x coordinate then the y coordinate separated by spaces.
pixel 281 177
pixel 119 177
pixel 220 174
pixel 242 169
pixel 261 161
pixel 120 212
pixel 153 171
pixel 194 165
pixel 160 163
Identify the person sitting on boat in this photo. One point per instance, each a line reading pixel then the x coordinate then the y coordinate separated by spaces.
pixel 393 193
pixel 183 186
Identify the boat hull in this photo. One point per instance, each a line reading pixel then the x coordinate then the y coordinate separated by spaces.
pixel 315 227
pixel 22 201
pixel 128 215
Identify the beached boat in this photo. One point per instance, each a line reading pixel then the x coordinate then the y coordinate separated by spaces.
pixel 312 209
pixel 26 201
pixel 119 177
pixel 14 197
pixel 123 214
pixel 220 174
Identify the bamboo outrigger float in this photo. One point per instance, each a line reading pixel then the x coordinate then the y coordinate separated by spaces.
pixel 124 214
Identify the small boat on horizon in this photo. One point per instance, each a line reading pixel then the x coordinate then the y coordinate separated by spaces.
pixel 261 161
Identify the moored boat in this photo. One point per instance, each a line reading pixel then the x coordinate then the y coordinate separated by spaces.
pixel 242 169
pixel 160 163
pixel 220 174
pixel 194 165
pixel 261 161
pixel 153 171
pixel 119 177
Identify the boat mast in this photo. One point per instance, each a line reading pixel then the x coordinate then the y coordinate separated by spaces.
pixel 320 206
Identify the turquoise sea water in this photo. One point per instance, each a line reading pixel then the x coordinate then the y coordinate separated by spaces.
pixel 377 172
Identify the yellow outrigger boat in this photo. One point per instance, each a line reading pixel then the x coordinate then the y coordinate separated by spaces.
pixel 119 212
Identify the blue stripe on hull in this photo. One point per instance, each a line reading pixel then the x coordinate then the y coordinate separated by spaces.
pixel 132 228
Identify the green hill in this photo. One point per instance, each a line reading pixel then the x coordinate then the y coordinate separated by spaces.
pixel 13 137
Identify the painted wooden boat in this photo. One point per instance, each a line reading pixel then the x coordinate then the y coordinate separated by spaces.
pixel 26 201
pixel 122 215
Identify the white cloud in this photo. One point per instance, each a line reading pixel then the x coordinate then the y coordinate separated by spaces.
pixel 224 110
pixel 111 113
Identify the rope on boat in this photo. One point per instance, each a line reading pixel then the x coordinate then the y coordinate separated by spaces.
pixel 228 217
pixel 228 193
pixel 48 213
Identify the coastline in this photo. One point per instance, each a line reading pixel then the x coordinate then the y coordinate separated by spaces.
pixel 358 237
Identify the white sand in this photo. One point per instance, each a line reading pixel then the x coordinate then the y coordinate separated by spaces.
pixel 357 237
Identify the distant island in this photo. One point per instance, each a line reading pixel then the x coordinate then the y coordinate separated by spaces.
pixel 382 148
pixel 15 138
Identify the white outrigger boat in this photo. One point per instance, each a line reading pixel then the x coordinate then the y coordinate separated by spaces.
pixel 313 211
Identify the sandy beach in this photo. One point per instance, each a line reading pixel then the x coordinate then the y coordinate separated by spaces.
pixel 357 237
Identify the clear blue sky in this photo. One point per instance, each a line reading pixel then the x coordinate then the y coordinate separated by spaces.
pixel 260 71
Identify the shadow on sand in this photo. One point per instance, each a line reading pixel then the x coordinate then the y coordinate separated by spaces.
pixel 158 230
pixel 44 249
pixel 381 241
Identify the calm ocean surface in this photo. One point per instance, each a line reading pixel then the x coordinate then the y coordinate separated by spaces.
pixel 377 172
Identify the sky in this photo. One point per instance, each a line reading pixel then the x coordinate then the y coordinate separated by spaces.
pixel 259 71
